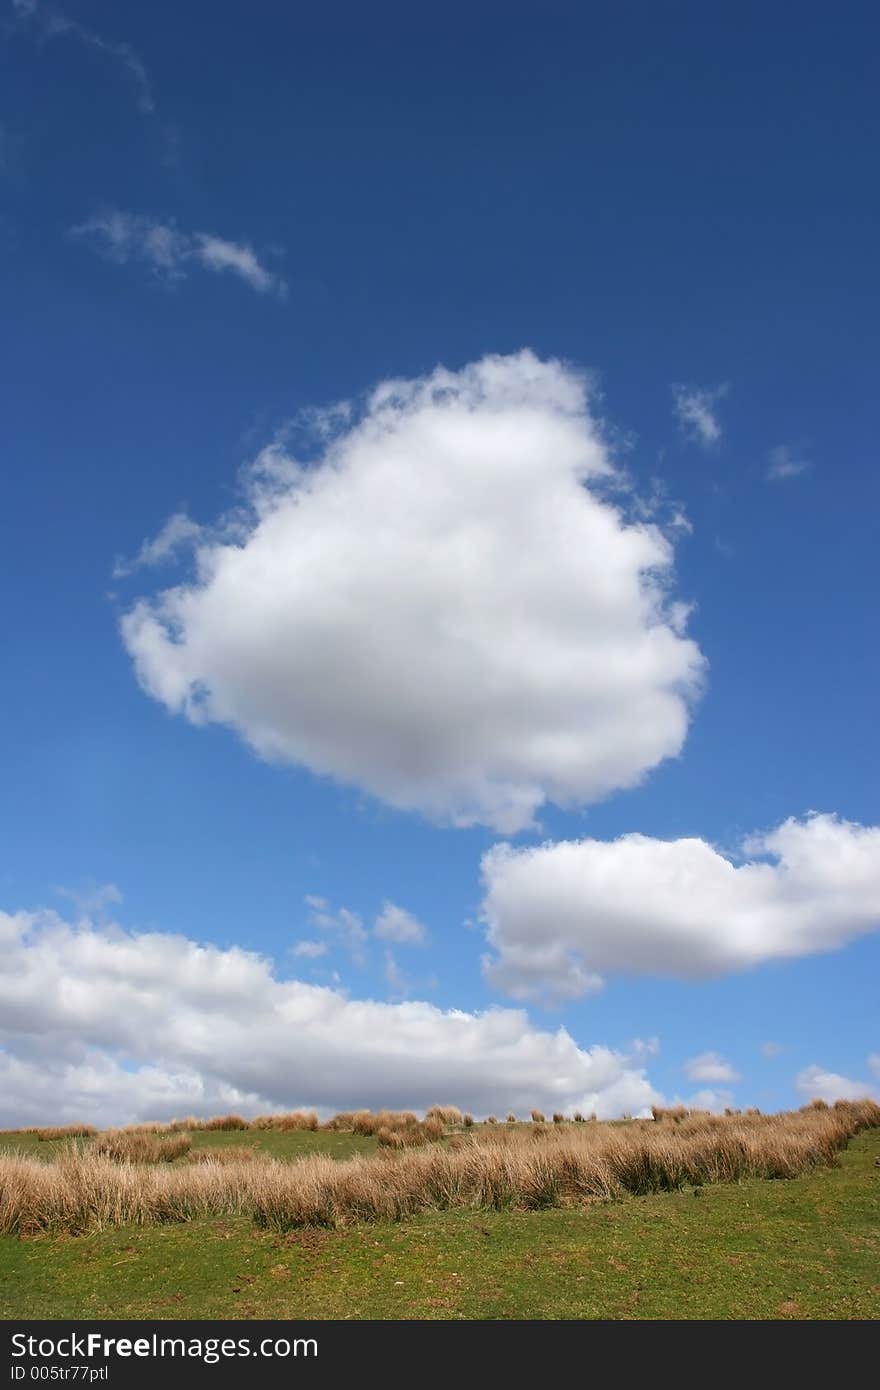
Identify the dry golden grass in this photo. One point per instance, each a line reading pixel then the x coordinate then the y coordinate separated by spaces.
pixel 537 1117
pixel 675 1113
pixel 411 1134
pixel 141 1146
pixel 65 1132
pixel 224 1122
pixel 292 1120
pixel 149 1127
pixel 446 1114
pixel 529 1167
pixel 369 1122
pixel 230 1154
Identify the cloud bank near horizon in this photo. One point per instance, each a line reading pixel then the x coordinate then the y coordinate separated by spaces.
pixel 109 1026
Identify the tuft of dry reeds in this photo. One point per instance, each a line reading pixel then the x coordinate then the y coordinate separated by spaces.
pixel 676 1113
pixel 411 1134
pixel 229 1122
pixel 394 1138
pixel 141 1146
pixel 367 1122
pixel 292 1120
pixel 495 1167
pixel 446 1114
pixel 537 1117
pixel 64 1132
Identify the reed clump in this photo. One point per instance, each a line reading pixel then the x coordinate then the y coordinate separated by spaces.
pixel 64 1132
pixel 291 1120
pixel 447 1114
pixel 141 1146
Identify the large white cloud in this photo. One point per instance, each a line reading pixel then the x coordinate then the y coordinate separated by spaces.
pixel 441 609
pixel 103 1025
pixel 561 916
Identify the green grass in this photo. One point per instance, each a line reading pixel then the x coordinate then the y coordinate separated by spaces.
pixel 292 1144
pixel 806 1248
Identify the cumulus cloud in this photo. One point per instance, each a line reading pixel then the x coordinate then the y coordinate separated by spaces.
pixel 786 461
pixel 561 916
pixel 443 607
pixel 170 253
pixel 396 924
pixel 101 1024
pixel 815 1083
pixel 50 23
pixel 697 413
pixel 709 1067
pixel 874 1064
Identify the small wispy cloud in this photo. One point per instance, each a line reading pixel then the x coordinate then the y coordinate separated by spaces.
pixel 49 23
pixel 786 461
pixel 217 254
pixel 170 253
pixel 710 1067
pixel 311 950
pixel 697 414
pixel 771 1049
pixel 396 924
pixel 177 533
pixel 344 926
pixel 395 978
pixel 93 901
pixel 709 1099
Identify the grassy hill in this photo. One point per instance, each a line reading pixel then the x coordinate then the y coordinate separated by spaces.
pixel 806 1247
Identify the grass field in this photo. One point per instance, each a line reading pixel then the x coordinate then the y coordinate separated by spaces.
pixel 291 1145
pixel 807 1247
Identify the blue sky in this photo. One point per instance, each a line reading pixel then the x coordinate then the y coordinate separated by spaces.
pixel 642 245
